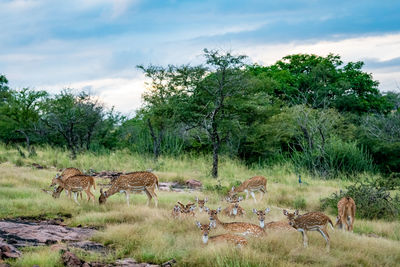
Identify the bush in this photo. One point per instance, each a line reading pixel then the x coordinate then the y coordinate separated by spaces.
pixel 300 203
pixel 372 201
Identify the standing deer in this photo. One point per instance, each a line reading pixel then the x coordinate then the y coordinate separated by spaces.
pixel 205 228
pixel 279 225
pixel 346 212
pixel 256 183
pixel 234 208
pixel 76 184
pixel 238 227
pixel 134 182
pixel 201 203
pixel 312 221
pixel 66 173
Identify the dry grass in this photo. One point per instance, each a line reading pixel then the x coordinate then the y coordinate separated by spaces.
pixel 149 234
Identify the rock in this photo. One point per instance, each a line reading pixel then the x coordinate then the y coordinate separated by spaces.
pixel 33 234
pixel 8 251
pixel 89 246
pixel 71 260
pixel 193 184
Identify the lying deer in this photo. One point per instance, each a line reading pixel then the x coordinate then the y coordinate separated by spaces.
pixel 76 184
pixel 176 212
pixel 234 208
pixel 238 227
pixel 187 209
pixel 205 228
pixel 346 212
pixel 312 221
pixel 256 183
pixel 133 182
pixel 201 203
pixel 279 225
pixel 66 173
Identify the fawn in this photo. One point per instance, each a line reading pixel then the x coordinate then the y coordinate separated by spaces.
pixel 256 183
pixel 201 203
pixel 187 209
pixel 134 182
pixel 205 228
pixel 76 184
pixel 312 221
pixel 279 225
pixel 239 227
pixel 346 212
pixel 176 212
pixel 234 208
pixel 66 173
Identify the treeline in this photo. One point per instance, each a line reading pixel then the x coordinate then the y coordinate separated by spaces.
pixel 326 118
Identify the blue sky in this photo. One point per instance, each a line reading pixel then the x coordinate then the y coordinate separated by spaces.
pixel 95 45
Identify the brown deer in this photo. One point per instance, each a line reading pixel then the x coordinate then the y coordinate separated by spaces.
pixel 133 182
pixel 75 184
pixel 238 227
pixel 279 225
pixel 256 183
pixel 201 203
pixel 66 173
pixel 312 221
pixel 205 228
pixel 176 212
pixel 346 212
pixel 234 208
pixel 187 209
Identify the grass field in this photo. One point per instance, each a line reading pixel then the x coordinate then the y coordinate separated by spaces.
pixel 149 234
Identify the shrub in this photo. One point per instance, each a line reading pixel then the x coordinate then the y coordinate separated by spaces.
pixel 300 203
pixel 373 202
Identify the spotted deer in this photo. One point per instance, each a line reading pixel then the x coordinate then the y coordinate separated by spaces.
pixel 205 228
pixel 234 208
pixel 238 227
pixel 66 173
pixel 346 212
pixel 279 225
pixel 176 212
pixel 133 182
pixel 201 203
pixel 187 209
pixel 75 184
pixel 256 183
pixel 312 221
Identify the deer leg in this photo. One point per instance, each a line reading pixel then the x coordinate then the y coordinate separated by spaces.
pixel 262 191
pixel 305 238
pixel 253 196
pixel 153 194
pixel 149 197
pixel 325 235
pixel 127 197
pixel 75 198
pixel 247 193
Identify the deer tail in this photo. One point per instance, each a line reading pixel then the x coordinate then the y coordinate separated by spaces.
pixel 93 183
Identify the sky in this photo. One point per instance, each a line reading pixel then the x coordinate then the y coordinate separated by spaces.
pixel 95 45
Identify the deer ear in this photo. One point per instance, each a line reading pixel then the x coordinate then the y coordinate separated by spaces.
pixel 197 199
pixel 267 210
pixel 211 224
pixel 205 200
pixel 240 199
pixel 219 210
pixel 206 209
pixel 254 211
pixel 198 224
pixel 233 188
pixel 285 212
pixel 101 190
pixel 296 212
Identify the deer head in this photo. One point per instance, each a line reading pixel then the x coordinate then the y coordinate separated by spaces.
pixel 201 203
pixel 103 196
pixel 55 180
pixel 213 215
pixel 205 228
pixel 261 215
pixel 291 216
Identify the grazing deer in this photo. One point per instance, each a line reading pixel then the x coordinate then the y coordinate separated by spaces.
pixel 187 209
pixel 279 225
pixel 201 203
pixel 312 221
pixel 76 184
pixel 205 228
pixel 176 212
pixel 256 183
pixel 238 227
pixel 346 212
pixel 234 208
pixel 66 173
pixel 133 182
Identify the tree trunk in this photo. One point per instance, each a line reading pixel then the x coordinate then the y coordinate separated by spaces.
pixel 216 144
pixel 156 141
pixel 28 146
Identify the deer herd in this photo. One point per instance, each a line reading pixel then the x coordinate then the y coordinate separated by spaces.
pixel 73 181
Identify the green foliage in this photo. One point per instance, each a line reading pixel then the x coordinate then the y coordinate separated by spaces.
pixel 373 202
pixel 300 203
